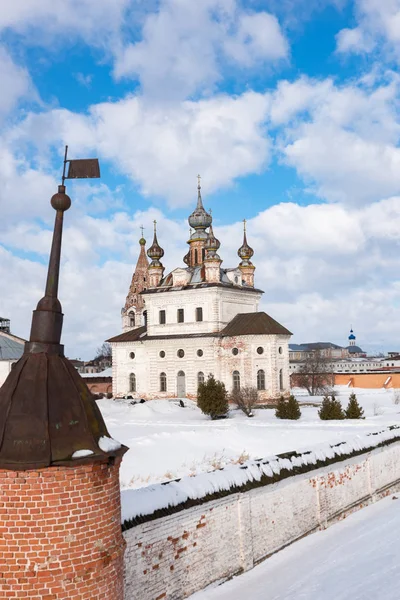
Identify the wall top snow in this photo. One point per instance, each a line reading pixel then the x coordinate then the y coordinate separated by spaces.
pixel 154 501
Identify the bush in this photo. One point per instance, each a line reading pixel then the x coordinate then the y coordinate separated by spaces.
pixel 109 395
pixel 288 409
pixel 331 409
pixel 353 410
pixel 212 398
pixel 245 399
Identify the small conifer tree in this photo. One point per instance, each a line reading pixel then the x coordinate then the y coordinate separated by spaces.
pixel 354 410
pixel 293 408
pixel 331 409
pixel 281 408
pixel 212 398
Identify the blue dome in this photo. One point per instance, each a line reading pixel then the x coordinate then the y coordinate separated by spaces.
pixel 352 336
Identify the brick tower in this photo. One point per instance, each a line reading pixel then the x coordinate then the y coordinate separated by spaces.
pixel 60 535
pixel 132 313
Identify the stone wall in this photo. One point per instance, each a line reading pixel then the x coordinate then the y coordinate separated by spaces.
pixel 174 556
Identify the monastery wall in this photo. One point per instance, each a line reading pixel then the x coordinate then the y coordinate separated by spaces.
pixel 176 555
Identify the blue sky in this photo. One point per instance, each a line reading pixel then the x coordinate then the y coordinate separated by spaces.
pixel 289 110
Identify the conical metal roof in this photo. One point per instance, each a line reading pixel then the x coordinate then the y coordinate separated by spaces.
pixel 47 412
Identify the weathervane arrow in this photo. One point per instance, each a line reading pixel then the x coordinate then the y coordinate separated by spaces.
pixel 81 168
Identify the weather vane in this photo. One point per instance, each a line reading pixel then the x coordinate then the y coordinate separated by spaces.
pixel 82 168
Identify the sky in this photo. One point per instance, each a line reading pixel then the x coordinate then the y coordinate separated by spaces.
pixel 288 109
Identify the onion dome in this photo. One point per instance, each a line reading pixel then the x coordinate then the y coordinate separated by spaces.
pixel 212 244
pixel 200 219
pixel 245 252
pixel 352 336
pixel 155 252
pixel 142 241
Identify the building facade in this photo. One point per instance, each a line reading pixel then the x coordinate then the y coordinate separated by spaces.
pixel 198 320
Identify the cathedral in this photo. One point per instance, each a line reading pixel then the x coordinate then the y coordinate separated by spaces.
pixel 196 320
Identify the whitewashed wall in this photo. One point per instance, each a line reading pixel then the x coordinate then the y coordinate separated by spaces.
pixel 174 556
pixel 5 368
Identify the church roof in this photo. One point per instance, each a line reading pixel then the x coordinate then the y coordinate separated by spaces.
pixel 355 350
pixel 245 324
pixel 258 323
pixel 130 336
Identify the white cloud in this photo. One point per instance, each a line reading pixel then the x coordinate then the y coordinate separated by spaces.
pixel 184 43
pixel 342 140
pixel 15 84
pixel 378 28
pixel 163 147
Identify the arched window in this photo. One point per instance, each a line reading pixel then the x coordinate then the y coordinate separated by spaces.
pixel 132 382
pixel 145 317
pixel 236 380
pixel 196 260
pixel 200 377
pixel 281 379
pixel 163 382
pixel 132 319
pixel 203 254
pixel 261 380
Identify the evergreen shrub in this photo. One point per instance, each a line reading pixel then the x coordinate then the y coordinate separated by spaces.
pixel 288 409
pixel 354 410
pixel 331 409
pixel 212 398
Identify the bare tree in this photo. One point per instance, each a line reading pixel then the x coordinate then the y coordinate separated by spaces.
pixel 104 351
pixel 315 374
pixel 246 399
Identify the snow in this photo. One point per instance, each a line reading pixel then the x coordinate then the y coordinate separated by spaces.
pixel 82 453
pixel 356 559
pixel 168 442
pixel 146 500
pixel 108 444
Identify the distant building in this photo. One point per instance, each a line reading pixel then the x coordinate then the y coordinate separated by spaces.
pixel 352 348
pixel 11 349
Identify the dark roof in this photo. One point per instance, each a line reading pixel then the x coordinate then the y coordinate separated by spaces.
pixel 355 350
pixel 245 324
pixel 321 346
pixel 258 323
pixel 129 336
pixel 298 348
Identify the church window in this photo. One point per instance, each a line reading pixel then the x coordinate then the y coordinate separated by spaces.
pixel 236 380
pixel 199 352
pixel 235 351
pixel 260 350
pixel 162 317
pixel 163 382
pixel 162 354
pixel 203 254
pixel 196 260
pixel 132 382
pixel 145 317
pixel 132 355
pixel 200 377
pixel 132 319
pixel 181 353
pixel 236 279
pixel 199 313
pixel 261 380
pixel 280 350
pixel 181 315
pixel 281 379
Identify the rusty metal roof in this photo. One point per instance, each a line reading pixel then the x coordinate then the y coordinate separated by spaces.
pixel 129 336
pixel 258 323
pixel 46 409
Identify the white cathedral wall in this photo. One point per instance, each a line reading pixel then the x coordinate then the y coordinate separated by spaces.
pixel 219 306
pixel 217 359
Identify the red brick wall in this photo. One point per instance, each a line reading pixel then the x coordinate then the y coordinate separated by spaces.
pixel 60 534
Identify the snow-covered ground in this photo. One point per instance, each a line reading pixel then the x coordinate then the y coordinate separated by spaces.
pixel 167 441
pixel 356 559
